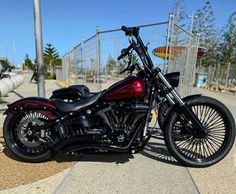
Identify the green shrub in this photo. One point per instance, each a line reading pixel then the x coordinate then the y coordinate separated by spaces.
pixel 48 75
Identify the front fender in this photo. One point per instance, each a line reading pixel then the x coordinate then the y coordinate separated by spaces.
pixel 162 120
pixel 185 99
pixel 31 103
pixel 191 97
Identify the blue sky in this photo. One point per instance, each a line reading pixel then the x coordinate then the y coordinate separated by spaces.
pixel 66 22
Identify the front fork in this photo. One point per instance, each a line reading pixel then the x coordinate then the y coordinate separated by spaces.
pixel 150 101
pixel 174 98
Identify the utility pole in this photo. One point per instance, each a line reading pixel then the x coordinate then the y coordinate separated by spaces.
pixel 39 47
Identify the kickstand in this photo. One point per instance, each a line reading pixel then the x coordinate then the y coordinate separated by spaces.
pixel 145 141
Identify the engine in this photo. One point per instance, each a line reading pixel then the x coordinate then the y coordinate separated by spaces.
pixel 120 119
pixel 110 122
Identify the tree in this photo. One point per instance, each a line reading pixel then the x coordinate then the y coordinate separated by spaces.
pixel 27 63
pixel 229 37
pixel 51 58
pixel 179 14
pixel 5 64
pixel 228 47
pixel 204 25
pixel 111 65
pixel 124 61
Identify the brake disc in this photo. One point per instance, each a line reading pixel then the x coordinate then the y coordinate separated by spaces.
pixel 24 129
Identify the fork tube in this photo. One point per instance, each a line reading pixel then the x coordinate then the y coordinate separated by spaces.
pixel 170 100
pixel 149 111
pixel 170 88
pixel 187 111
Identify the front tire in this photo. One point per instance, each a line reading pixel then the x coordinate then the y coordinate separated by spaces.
pixel 17 142
pixel 196 151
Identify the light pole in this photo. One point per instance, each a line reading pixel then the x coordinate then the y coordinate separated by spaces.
pixel 39 47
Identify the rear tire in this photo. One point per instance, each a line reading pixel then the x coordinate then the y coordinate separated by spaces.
pixel 195 151
pixel 29 153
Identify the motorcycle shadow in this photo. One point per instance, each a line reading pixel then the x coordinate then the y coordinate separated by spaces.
pixel 108 157
pixel 157 150
pixel 86 156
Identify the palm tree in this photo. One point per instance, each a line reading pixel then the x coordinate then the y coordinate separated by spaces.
pixel 51 58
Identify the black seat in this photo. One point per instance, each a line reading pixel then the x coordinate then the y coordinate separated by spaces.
pixel 74 106
pixel 82 89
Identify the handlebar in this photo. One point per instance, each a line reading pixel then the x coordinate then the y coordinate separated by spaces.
pixel 129 31
pixel 139 47
pixel 125 51
pixel 129 68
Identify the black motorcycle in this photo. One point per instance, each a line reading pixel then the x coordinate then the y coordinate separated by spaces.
pixel 161 107
pixel 199 131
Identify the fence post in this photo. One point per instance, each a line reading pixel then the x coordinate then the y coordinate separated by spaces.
pixel 167 43
pixel 227 75
pixel 83 73
pixel 172 25
pixel 98 79
pixel 68 68
pixel 195 58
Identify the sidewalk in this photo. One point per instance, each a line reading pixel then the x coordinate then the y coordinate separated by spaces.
pixel 219 178
pixel 146 172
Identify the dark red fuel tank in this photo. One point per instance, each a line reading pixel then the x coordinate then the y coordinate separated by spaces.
pixel 128 88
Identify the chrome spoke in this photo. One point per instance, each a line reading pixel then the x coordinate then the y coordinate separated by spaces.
pixel 201 148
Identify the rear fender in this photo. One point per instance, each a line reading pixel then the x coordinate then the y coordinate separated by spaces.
pixel 42 105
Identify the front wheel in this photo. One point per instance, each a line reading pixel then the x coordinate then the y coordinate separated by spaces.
pixel 187 146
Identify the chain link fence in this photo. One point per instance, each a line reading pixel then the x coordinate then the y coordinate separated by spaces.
pixel 183 48
pixel 222 75
pixel 93 62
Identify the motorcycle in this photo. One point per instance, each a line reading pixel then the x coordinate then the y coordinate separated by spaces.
pixel 77 92
pixel 199 131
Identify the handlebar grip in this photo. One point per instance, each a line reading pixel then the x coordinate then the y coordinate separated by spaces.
pixel 127 30
pixel 124 28
pixel 125 52
pixel 120 57
pixel 130 30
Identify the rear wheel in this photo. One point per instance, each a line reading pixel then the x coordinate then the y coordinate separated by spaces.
pixel 193 149
pixel 22 140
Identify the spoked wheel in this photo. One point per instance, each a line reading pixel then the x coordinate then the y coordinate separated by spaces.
pixel 193 148
pixel 21 138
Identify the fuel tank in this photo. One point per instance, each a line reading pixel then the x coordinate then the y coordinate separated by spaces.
pixel 131 87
